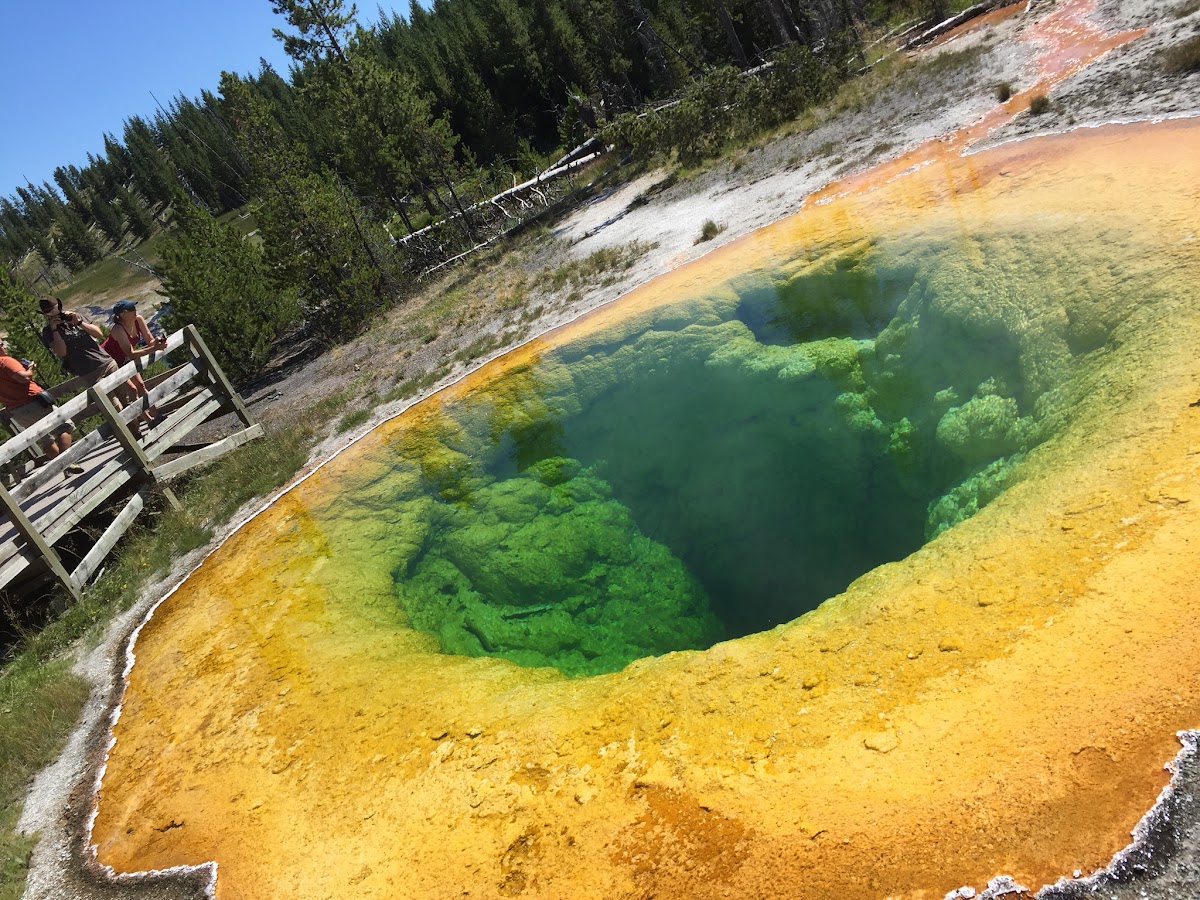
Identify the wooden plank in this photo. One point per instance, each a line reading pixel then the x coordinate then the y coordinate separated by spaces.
pixel 39 508
pixel 69 511
pixel 17 517
pixel 67 387
pixel 120 431
pixel 47 510
pixel 126 439
pixel 55 523
pixel 74 456
pixel 158 379
pixel 180 423
pixel 20 560
pixel 181 376
pixel 50 424
pixel 207 454
pixel 216 374
pixel 107 541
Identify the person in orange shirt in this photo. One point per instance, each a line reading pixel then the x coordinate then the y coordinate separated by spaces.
pixel 26 402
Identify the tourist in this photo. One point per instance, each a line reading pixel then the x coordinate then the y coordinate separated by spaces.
pixel 75 340
pixel 26 402
pixel 130 338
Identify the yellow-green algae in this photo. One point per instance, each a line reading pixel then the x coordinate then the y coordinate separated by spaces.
pixel 1002 700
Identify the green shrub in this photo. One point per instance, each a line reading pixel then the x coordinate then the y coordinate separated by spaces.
pixel 708 231
pixel 1004 91
pixel 726 107
pixel 1039 105
pixel 220 283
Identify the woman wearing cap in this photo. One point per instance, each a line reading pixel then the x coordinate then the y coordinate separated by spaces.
pixel 130 338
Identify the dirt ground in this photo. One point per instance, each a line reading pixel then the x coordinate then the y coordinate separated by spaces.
pixel 664 215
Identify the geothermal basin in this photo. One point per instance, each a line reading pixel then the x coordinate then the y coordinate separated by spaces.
pixel 856 560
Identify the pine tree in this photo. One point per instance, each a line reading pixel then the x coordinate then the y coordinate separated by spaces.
pixel 21 320
pixel 141 223
pixel 106 218
pixel 313 233
pixel 324 27
pixel 220 282
pixel 731 35
pixel 76 244
pixel 152 171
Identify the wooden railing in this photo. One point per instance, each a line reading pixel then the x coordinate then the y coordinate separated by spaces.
pixel 49 502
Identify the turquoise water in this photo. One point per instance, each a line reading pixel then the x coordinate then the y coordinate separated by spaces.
pixel 714 468
pixel 721 465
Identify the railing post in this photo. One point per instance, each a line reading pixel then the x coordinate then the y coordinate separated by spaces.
pixel 215 373
pixel 21 522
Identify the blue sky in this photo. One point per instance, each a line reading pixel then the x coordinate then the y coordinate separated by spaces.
pixel 71 70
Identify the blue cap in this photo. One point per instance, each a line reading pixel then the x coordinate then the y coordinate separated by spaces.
pixel 125 305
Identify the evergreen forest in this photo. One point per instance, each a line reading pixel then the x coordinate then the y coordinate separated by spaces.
pixel 380 153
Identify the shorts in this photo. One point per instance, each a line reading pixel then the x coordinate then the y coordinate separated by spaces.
pixel 33 412
pixel 107 368
pixel 122 395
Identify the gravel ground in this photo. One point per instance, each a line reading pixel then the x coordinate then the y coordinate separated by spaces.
pixel 756 187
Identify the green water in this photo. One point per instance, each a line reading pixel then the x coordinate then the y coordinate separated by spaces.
pixel 725 464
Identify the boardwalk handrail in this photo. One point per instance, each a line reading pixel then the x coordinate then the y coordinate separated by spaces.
pixel 76 406
pixel 48 504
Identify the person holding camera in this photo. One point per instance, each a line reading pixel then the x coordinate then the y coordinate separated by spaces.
pixel 130 338
pixel 76 341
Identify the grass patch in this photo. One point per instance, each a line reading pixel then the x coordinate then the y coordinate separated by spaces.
pixel 39 705
pixel 604 266
pixel 1004 91
pixel 1039 105
pixel 1183 10
pixel 481 346
pixel 1183 59
pixel 514 297
pixel 411 387
pixel 353 420
pixel 826 149
pixel 708 231
pixel 113 276
pixel 951 61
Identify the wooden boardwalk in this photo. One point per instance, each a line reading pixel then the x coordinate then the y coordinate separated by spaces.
pixel 48 502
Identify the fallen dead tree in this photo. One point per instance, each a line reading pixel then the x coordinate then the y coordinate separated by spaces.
pixel 441 243
pixel 953 22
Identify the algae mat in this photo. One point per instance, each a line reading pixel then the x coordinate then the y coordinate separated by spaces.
pixel 1002 700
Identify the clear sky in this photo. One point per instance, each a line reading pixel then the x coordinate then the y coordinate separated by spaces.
pixel 70 70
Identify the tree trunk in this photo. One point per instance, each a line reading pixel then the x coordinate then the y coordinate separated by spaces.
pixel 652 45
pixel 466 219
pixel 781 21
pixel 398 204
pixel 735 43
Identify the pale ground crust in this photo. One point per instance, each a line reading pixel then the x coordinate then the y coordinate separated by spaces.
pixel 760 192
